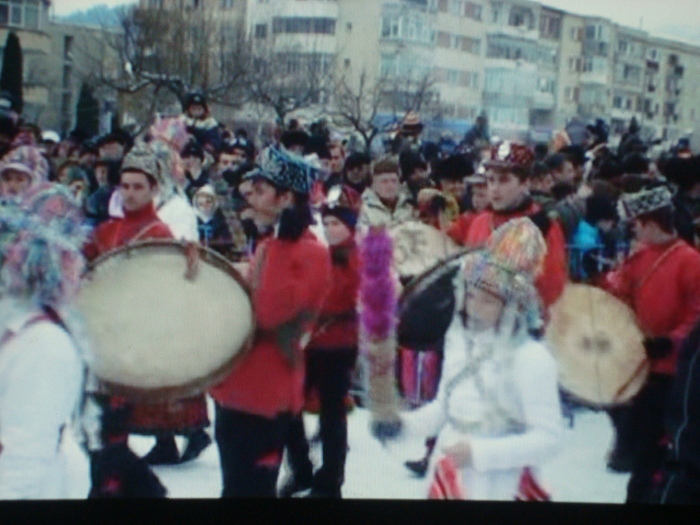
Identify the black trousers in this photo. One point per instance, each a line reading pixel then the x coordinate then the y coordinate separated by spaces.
pixel 647 425
pixel 330 372
pixel 250 450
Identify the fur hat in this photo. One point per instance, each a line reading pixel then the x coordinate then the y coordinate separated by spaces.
pixel 28 160
pixel 635 204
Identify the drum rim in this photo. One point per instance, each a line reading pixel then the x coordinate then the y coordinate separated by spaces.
pixel 198 385
pixel 418 279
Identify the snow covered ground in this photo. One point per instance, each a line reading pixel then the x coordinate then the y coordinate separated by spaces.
pixel 576 474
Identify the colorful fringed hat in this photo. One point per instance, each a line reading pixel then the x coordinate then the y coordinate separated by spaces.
pixel 28 160
pixel 635 204
pixel 510 263
pixel 285 170
pixel 40 246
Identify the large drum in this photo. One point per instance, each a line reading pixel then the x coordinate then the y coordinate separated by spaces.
pixel 418 247
pixel 428 302
pixel 598 346
pixel 154 334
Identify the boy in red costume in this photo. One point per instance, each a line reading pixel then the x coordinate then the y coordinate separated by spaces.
pixel 331 357
pixel 290 276
pixel 661 282
pixel 508 181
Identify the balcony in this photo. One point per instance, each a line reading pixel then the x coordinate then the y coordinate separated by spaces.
pixel 521 31
pixel 543 101
pixel 594 77
pixel 308 8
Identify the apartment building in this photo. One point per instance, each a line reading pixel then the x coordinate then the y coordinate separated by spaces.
pixel 29 19
pixel 529 67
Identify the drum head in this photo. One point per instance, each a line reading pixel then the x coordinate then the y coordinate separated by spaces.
pixel 418 247
pixel 154 334
pixel 598 346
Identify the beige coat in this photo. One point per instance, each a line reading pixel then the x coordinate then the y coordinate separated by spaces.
pixel 375 213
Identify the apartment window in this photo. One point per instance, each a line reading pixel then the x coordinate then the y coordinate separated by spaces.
pixel 622 47
pixel 472 10
pixel 576 34
pixel 390 26
pixel 22 13
pixel 227 4
pixel 67 48
pixel 617 102
pixel 550 27
pixel 520 16
pixel 471 45
pixel 303 25
pixel 571 94
pixel 456 7
pixel 574 65
pixel 443 6
pixel 261 31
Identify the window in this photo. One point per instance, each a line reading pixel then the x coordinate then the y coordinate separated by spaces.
pixel 456 7
pixel 227 4
pixel 297 25
pixel 23 13
pixel 622 47
pixel 577 34
pixel 472 10
pixel 67 48
pixel 574 65
pixel 550 27
pixel 390 26
pixel 471 45
pixel 260 30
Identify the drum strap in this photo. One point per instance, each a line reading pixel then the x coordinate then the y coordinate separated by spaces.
pixel 117 233
pixel 657 264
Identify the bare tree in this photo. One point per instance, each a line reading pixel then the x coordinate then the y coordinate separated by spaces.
pixel 357 104
pixel 288 80
pixel 160 55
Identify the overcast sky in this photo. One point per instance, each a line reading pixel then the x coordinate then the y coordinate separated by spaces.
pixel 669 17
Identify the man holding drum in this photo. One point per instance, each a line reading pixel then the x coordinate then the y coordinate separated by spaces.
pixel 290 276
pixel 661 282
pixel 115 470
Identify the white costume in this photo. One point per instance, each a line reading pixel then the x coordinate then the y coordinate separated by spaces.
pixel 40 385
pixel 506 407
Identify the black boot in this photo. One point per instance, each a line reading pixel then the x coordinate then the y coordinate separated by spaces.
pixel 164 452
pixel 293 486
pixel 418 467
pixel 196 443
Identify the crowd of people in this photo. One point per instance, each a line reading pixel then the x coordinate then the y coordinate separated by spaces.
pixel 291 215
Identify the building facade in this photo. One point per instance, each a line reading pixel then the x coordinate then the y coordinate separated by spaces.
pixel 530 68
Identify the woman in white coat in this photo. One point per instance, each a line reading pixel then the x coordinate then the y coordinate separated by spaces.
pixel 41 370
pixel 497 410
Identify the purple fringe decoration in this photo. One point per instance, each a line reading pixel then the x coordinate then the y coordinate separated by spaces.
pixel 378 298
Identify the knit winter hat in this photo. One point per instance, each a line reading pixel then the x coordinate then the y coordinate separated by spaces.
pixel 511 262
pixel 284 170
pixel 28 160
pixel 635 204
pixel 40 246
pixel 344 203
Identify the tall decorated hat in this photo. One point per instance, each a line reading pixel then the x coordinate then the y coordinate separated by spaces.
pixel 509 265
pixel 284 170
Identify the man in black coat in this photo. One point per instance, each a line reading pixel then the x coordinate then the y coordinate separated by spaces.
pixel 682 470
